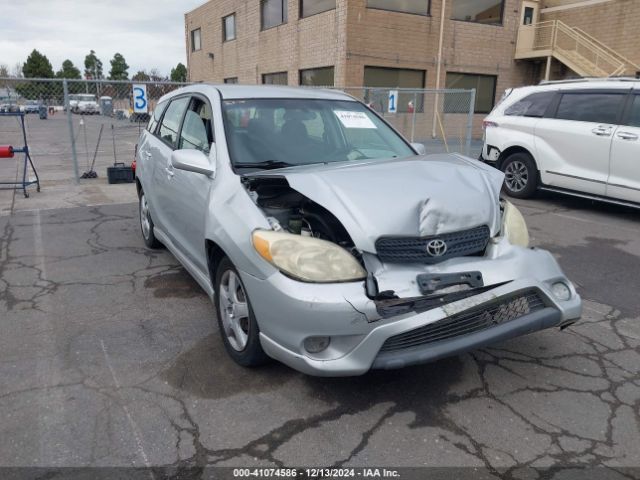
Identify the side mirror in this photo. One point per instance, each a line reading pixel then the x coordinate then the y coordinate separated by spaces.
pixel 192 161
pixel 420 148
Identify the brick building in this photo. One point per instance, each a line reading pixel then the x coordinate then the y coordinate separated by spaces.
pixel 489 45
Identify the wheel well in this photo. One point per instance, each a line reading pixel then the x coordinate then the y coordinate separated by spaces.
pixel 505 154
pixel 138 186
pixel 214 255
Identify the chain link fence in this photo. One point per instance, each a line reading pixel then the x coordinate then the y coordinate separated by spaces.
pixel 76 127
pixel 442 120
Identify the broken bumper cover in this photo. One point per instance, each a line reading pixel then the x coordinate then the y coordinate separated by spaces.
pixel 288 312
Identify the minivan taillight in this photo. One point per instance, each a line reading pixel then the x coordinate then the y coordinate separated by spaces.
pixel 488 123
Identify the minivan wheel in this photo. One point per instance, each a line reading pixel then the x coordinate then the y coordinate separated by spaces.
pixel 238 327
pixel 146 224
pixel 520 175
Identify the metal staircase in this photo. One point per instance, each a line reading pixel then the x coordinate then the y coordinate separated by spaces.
pixel 578 50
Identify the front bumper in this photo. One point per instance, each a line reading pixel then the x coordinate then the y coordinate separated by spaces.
pixel 288 312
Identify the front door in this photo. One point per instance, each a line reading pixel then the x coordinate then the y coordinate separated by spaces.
pixel 576 141
pixel 189 191
pixel 624 178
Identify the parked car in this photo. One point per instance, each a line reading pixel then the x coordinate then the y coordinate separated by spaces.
pixel 328 242
pixel 84 104
pixel 576 137
pixel 32 106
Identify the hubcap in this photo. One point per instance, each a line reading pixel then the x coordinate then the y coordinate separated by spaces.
pixel 516 176
pixel 234 310
pixel 144 216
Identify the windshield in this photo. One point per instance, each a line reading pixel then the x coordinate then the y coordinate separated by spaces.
pixel 275 133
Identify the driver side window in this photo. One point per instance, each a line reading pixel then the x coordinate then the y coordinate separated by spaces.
pixel 197 129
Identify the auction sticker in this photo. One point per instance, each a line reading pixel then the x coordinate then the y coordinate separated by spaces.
pixel 354 119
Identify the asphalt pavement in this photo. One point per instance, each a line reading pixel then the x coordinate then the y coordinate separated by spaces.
pixel 110 356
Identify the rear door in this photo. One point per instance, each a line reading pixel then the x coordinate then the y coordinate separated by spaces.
pixel 624 178
pixel 146 162
pixel 573 144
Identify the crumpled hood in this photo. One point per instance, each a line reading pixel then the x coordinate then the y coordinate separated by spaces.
pixel 416 196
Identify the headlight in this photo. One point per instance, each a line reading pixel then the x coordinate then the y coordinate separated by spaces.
pixel 513 226
pixel 306 258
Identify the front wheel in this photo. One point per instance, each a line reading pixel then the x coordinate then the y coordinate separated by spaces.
pixel 520 175
pixel 238 326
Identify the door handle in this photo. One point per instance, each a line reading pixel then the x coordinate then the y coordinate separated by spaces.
pixel 602 131
pixel 169 171
pixel 147 154
pixel 627 136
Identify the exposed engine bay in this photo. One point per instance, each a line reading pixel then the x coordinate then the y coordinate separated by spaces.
pixel 288 210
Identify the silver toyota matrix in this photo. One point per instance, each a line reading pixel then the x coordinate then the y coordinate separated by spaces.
pixel 328 242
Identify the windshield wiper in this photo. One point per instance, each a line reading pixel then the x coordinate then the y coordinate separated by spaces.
pixel 266 165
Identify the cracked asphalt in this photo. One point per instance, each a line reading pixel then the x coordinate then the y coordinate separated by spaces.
pixel 110 356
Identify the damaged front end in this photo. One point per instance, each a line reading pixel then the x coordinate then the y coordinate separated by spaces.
pixel 385 265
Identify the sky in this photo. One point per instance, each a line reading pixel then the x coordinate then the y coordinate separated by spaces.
pixel 148 33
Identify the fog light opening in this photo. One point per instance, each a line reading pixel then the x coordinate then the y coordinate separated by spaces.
pixel 561 291
pixel 316 344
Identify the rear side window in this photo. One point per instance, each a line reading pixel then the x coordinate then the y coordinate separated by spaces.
pixel 533 105
pixel 171 121
pixel 155 117
pixel 634 113
pixel 590 107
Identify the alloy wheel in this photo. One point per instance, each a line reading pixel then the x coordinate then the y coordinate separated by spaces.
pixel 234 310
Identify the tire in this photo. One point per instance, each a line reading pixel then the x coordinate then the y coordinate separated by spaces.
pixel 521 175
pixel 238 327
pixel 146 223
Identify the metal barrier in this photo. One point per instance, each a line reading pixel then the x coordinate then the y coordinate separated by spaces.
pixel 83 125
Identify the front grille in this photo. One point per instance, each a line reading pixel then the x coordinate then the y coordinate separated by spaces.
pixel 474 320
pixel 414 249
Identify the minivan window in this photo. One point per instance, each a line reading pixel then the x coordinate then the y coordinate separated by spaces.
pixel 634 114
pixel 155 117
pixel 171 121
pixel 590 107
pixel 196 128
pixel 533 105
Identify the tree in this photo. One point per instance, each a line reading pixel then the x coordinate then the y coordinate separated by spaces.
pixel 4 71
pixel 179 74
pixel 37 66
pixel 68 70
pixel 119 68
pixel 141 76
pixel 92 66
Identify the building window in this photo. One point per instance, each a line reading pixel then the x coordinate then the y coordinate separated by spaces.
pixel 231 80
pixel 311 7
pixel 418 7
pixel 479 11
pixel 317 77
pixel 274 13
pixel 196 40
pixel 387 78
pixel 279 78
pixel 229 28
pixel 485 86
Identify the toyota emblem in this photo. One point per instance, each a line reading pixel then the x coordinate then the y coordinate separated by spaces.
pixel 436 248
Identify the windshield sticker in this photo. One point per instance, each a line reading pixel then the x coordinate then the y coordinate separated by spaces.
pixel 354 119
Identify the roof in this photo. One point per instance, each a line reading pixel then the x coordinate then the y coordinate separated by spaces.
pixel 237 92
pixel 587 84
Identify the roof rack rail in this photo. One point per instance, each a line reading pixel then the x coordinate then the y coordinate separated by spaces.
pixel 591 79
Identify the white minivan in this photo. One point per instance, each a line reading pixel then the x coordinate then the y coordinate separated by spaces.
pixel 580 137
